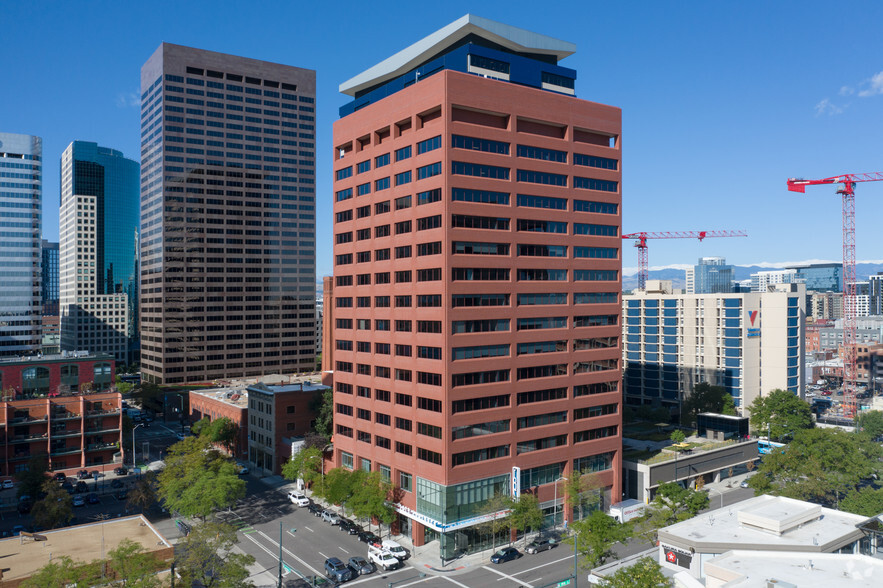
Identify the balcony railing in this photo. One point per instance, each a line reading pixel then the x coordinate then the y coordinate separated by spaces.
pixel 66 433
pixel 100 446
pixel 97 413
pixel 27 438
pixel 65 451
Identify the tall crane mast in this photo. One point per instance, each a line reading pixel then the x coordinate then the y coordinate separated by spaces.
pixel 641 244
pixel 850 300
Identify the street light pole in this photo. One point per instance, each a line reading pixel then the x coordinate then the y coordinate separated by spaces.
pixel 133 443
pixel 720 493
pixel 555 504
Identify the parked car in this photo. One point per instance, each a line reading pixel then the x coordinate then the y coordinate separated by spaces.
pixel 59 477
pixel 242 469
pixel 361 564
pixel 82 475
pixel 92 498
pixel 315 509
pixel 181 436
pixel 81 486
pixel 94 474
pixel 298 498
pixel 336 570
pixel 121 494
pixel 368 537
pixel 394 548
pixel 25 506
pixel 538 545
pixel 67 485
pixel 505 554
pixel 349 526
pixel 8 483
pixel 116 483
pixel 744 484
pixel 330 517
pixel 121 471
pixel 79 501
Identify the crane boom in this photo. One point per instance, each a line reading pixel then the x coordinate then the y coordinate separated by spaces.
pixel 641 244
pixel 850 308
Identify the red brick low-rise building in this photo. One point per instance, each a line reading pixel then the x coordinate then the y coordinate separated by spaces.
pixel 231 403
pixel 53 375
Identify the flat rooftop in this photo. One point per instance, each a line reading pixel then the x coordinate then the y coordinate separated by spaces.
pixel 754 569
pixel 236 392
pixel 65 356
pixel 766 522
pixel 22 556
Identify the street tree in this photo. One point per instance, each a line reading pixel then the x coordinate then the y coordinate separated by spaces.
pixel 143 494
pixel 198 480
pixel 818 465
pixel 781 414
pixel 64 571
pixel 870 423
pixel 645 573
pixel 221 431
pixel 338 485
pixel 582 491
pixel 55 509
pixel 867 502
pixel 31 480
pixel 677 436
pixel 370 500
pixel 498 508
pixel 707 398
pixel 673 504
pixel 131 565
pixel 526 513
pixel 306 465
pixel 596 535
pixel 205 557
pixel 322 404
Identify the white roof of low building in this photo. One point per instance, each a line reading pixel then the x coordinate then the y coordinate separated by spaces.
pixel 755 569
pixel 765 522
pixel 513 38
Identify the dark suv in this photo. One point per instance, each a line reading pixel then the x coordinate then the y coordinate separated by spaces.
pixel 337 570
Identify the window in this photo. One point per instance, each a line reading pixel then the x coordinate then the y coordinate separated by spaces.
pixel 542 299
pixel 403 350
pixel 341 195
pixel 479 196
pixel 479 429
pixel 429 145
pixel 382 349
pixel 363 189
pixel 478 248
pixel 427 171
pixel 344 173
pixel 598 388
pixel 549 322
pixel 430 456
pixel 403 375
pixel 363 212
pixel 381 395
pixel 383 443
pixel 599 365
pixel 346 460
pixel 483 454
pixel 595 275
pixel 475 144
pixel 343 216
pixel 482 403
pixel 403 202
pixel 405 482
pixel 480 274
pixel 404 399
pixel 403 301
pixel 540 420
pixel 429 222
pixel 535 177
pixel 542 275
pixel 596 207
pixel 433 248
pixel 429 196
pixel 403 178
pixel 430 275
pixel 594 463
pixel 526 200
pixel 479 222
pixel 425 352
pixel 428 326
pixel 429 430
pixel 480 326
pixel 541 395
pixel 463 168
pixel 544 154
pixel 403 326
pixel 596 252
pixel 430 379
pixel 381 324
pixel 529 225
pixel 594 411
pixel 381 207
pixel 403 276
pixel 593 184
pixel 403 424
pixel 479 351
pixel 403 153
pixel 381 184
pixel 595 298
pixel 474 378
pixel 542 347
pixel 403 448
pixel 363 167
pixel 403 227
pixel 542 371
pixel 540 444
pixel 596 230
pixel 381 160
pixel 592 434
pixel 428 300
pixel 381 254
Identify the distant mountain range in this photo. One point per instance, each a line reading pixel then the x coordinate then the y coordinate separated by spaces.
pixel 741 272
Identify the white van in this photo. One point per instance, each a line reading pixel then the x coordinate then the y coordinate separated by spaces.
pixel 394 548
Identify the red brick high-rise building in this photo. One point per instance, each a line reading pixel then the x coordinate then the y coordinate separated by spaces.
pixel 475 315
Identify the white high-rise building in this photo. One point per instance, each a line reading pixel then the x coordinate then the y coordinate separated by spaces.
pixel 750 343
pixel 761 280
pixel 21 164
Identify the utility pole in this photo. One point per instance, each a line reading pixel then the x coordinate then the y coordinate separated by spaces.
pixel 280 554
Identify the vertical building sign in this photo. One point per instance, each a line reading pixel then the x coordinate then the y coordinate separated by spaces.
pixel 516 482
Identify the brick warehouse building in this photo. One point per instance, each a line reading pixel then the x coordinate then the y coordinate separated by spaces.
pixel 476 297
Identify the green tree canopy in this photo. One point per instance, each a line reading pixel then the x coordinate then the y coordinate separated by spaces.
pixel 867 502
pixel 323 405
pixel 781 414
pixel 221 431
pixel 64 571
pixel 143 495
pixel 582 492
pixel 707 398
pixel 526 513
pixel 596 535
pixel 131 565
pixel 205 558
pixel 819 465
pixel 871 423
pixel 198 480
pixel 500 506
pixel 678 436
pixel 645 573
pixel 339 484
pixel 31 480
pixel 673 504
pixel 371 500
pixel 55 509
pixel 306 464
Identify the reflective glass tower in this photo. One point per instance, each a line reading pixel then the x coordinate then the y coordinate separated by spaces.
pixel 21 197
pixel 228 216
pixel 99 244
pixel 50 287
pixel 712 275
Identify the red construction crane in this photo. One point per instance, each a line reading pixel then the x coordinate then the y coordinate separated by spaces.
pixel 847 191
pixel 641 244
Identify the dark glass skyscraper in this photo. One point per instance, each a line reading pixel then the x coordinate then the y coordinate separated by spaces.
pixel 228 216
pixel 99 243
pixel 21 198
pixel 50 278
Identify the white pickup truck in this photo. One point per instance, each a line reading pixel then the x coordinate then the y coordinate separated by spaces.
pixel 382 558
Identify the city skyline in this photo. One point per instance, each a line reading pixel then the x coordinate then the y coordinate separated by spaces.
pixel 731 110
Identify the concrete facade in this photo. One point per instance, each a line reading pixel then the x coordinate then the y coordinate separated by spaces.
pixel 228 217
pixel 475 309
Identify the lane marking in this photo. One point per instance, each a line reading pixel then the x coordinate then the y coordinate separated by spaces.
pixel 569 557
pixel 290 554
pixel 418 581
pixel 342 549
pixel 309 529
pixel 454 581
pixel 513 578
pixel 322 554
pixel 374 577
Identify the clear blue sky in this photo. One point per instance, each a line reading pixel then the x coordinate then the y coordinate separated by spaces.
pixel 722 101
